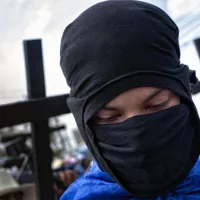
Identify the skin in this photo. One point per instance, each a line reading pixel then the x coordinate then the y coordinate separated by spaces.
pixel 137 101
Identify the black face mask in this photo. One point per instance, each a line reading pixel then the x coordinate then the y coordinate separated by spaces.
pixel 148 152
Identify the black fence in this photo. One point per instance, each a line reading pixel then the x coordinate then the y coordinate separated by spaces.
pixel 37 110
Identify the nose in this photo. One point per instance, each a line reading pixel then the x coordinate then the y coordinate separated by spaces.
pixel 131 113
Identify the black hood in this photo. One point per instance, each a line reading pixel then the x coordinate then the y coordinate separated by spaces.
pixel 115 46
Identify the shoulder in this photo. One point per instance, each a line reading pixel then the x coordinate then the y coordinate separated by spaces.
pixel 96 184
pixel 191 185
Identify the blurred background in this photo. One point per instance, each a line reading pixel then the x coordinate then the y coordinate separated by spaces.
pixel 46 19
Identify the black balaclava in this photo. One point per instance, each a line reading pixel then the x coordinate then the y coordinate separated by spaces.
pixel 115 46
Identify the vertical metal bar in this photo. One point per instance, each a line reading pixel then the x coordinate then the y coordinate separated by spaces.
pixel 196 88
pixel 40 129
pixel 197 45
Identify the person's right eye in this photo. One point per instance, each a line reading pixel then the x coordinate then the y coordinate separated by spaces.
pixel 106 119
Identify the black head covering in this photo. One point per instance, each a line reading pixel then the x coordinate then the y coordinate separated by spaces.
pixel 115 46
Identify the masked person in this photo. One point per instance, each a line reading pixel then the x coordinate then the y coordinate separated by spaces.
pixel 131 100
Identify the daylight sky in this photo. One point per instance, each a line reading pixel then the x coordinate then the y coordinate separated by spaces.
pixel 25 19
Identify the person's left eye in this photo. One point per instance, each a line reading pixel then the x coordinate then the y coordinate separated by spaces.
pixel 109 119
pixel 156 107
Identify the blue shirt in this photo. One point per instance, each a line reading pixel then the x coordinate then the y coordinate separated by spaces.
pixel 98 185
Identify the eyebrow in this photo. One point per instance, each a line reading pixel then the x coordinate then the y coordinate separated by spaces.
pixel 151 96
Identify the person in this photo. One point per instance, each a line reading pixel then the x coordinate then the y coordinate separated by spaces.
pixel 65 178
pixel 83 164
pixel 131 99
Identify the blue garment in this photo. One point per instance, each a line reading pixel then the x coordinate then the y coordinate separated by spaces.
pixel 98 185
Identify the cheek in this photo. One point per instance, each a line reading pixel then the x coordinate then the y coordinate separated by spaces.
pixel 174 100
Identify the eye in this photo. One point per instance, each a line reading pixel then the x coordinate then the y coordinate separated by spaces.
pixel 156 107
pixel 108 119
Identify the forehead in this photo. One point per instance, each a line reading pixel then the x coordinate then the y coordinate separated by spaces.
pixel 137 95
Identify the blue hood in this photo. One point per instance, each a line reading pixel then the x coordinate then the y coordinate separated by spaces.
pixel 98 185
